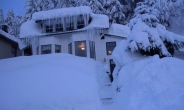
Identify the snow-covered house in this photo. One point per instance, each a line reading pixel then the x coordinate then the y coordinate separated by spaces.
pixel 74 30
pixel 9 45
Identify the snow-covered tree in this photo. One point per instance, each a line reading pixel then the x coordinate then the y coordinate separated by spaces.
pixel 96 6
pixel 169 9
pixel 147 35
pixel 1 18
pixel 14 22
pixel 115 11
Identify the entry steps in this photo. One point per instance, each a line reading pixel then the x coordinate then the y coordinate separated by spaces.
pixel 106 94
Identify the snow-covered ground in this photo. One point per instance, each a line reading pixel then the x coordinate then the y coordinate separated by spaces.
pixel 49 82
pixel 66 82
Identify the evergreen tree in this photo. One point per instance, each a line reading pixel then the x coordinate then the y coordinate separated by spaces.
pixel 96 6
pixel 148 36
pixel 115 11
pixel 13 22
pixel 169 9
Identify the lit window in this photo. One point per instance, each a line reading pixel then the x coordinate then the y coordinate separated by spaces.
pixel 92 49
pixel 46 49
pixel 80 48
pixel 57 48
pixel 110 47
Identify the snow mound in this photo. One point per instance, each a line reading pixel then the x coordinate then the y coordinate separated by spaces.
pixel 52 82
pixel 151 84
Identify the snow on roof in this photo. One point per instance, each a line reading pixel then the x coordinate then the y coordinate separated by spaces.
pixel 98 21
pixel 31 28
pixel 119 30
pixel 14 39
pixel 63 12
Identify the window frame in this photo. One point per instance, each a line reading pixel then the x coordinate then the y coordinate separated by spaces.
pixel 77 53
pixel 92 49
pixel 59 48
pixel 49 28
pixel 110 47
pixel 47 50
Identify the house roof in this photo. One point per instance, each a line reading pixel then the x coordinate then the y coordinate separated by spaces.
pixel 12 38
pixel 63 12
pixel 31 28
pixel 118 30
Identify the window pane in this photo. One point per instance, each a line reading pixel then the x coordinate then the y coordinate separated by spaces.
pixel 110 47
pixel 57 48
pixel 70 48
pixel 46 49
pixel 92 49
pixel 49 28
pixel 80 48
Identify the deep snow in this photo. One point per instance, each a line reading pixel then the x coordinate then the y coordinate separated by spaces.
pixel 49 82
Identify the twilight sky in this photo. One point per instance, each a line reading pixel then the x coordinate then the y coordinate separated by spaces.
pixel 16 5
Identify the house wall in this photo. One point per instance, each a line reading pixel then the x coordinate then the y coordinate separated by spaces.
pixel 103 53
pixel 6 48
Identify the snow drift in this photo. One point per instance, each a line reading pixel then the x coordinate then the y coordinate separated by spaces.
pixel 151 84
pixel 51 82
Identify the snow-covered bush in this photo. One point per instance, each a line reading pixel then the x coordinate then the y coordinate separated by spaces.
pixel 148 36
pixel 151 84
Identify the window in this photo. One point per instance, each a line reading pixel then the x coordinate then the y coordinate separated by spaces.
pixel 14 51
pixel 59 27
pixel 80 48
pixel 80 22
pixel 49 28
pixel 46 49
pixel 70 48
pixel 57 48
pixel 110 47
pixel 69 24
pixel 92 49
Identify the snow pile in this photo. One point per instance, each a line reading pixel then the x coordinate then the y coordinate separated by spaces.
pixel 119 30
pixel 52 82
pixel 121 56
pixel 151 84
pixel 8 36
pixel 63 12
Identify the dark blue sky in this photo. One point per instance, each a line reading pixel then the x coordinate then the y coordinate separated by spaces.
pixel 17 5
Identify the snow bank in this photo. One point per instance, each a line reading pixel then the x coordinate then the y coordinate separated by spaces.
pixel 121 56
pixel 151 84
pixel 8 36
pixel 119 30
pixel 63 12
pixel 52 82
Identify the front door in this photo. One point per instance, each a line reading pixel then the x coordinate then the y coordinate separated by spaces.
pixel 112 66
